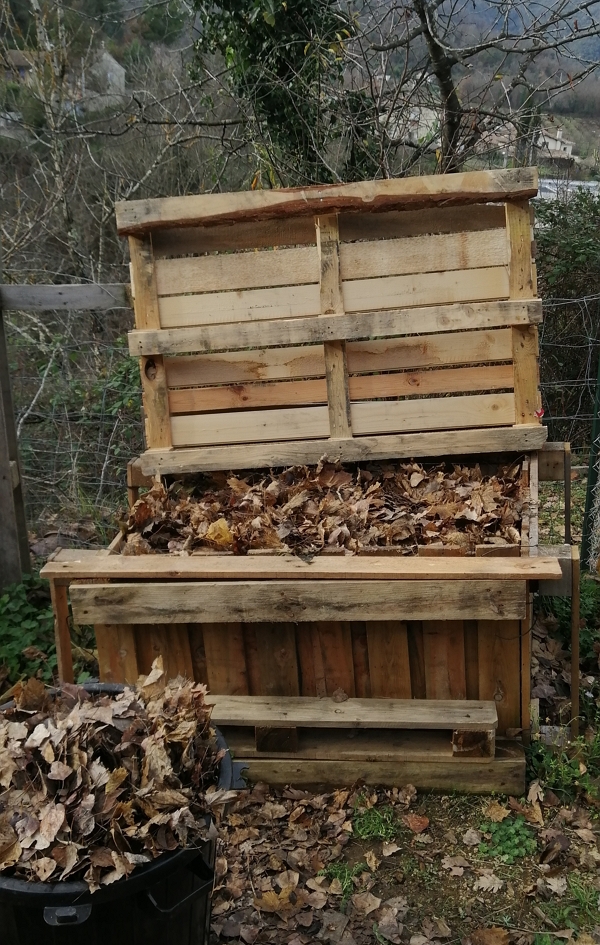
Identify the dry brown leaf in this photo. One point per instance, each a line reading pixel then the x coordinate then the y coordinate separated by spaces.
pixel 491 936
pixel 388 849
pixel 371 860
pixel 496 812
pixel 365 902
pixel 488 882
pixel 416 822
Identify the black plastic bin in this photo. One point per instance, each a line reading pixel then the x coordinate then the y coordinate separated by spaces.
pixel 166 902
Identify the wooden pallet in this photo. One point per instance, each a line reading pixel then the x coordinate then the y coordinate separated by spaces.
pixel 357 327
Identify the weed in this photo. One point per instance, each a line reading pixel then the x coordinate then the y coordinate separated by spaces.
pixel 567 771
pixel 375 823
pixel 26 632
pixel 344 874
pixel 578 909
pixel 510 840
pixel 589 609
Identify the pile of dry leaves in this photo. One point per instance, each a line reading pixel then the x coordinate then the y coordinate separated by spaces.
pixel 97 785
pixel 308 509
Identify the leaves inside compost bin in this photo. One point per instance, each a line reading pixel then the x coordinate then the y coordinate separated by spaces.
pixel 307 510
pixel 94 786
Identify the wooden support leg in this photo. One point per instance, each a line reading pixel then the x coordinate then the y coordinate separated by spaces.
pixel 62 631
pixel 575 641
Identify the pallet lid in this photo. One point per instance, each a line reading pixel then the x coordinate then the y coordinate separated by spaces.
pixel 337 320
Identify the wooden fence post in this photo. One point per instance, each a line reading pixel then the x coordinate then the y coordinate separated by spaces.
pixel 14 541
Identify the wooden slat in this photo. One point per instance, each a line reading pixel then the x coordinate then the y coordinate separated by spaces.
pixel 354 713
pixel 551 462
pixel 62 632
pixel 444 651
pixel 526 634
pixel 272 364
pixel 198 652
pixel 291 601
pixel 277 659
pixel 422 321
pixel 281 267
pixel 78 298
pixel 501 775
pixel 525 346
pixel 389 666
pixel 72 564
pixel 355 449
pixel 407 384
pixel 295 231
pixel 145 297
pixel 170 642
pixel 334 640
pixel 117 657
pixel 471 659
pixel 500 669
pixel 360 659
pixel 225 658
pixel 360 295
pixel 138 216
pixel 332 303
pixel 368 417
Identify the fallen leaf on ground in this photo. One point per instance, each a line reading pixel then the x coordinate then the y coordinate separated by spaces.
pixel 472 837
pixel 496 812
pixel 491 936
pixel 387 849
pixel 415 822
pixel 535 792
pixel 456 864
pixel 365 902
pixel 488 882
pixel 557 885
pixel 586 834
pixel 371 860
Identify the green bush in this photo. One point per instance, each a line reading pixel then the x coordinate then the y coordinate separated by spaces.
pixel 589 610
pixel 26 633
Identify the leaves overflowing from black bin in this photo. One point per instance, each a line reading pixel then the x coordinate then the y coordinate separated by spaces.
pixel 93 786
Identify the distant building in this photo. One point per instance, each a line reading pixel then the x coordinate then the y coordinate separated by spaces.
pixel 17 65
pixel 555 143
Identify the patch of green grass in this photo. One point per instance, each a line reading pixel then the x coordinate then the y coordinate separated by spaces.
pixel 375 823
pixel 510 840
pixel 344 874
pixel 579 907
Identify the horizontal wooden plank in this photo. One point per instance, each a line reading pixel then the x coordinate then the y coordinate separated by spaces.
pixel 519 439
pixel 368 417
pixel 504 774
pixel 283 601
pixel 301 711
pixel 140 216
pixel 75 564
pixel 284 393
pixel 364 260
pixel 268 364
pixel 375 324
pixel 295 231
pixel 42 298
pixel 551 463
pixel 360 295
pixel 202 274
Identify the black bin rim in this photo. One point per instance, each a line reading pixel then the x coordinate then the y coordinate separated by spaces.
pixel 142 878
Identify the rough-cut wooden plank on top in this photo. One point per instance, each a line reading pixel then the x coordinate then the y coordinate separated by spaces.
pixel 140 216
pixel 354 713
pixel 375 324
pixel 71 564
pixel 519 439
pixel 291 601
pixel 368 417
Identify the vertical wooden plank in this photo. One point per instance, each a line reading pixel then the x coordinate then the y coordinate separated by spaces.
pixel 117 656
pixel 526 626
pixel 388 659
pixel 575 617
pixel 306 660
pixel 276 646
pixel 152 369
pixel 444 651
pixel 62 631
pixel 471 659
pixel 360 659
pixel 521 286
pixel 336 367
pixel 198 653
pixel 335 641
pixel 225 659
pixel 14 541
pixel 500 669
pixel 252 659
pixel 416 656
pixel 533 503
pixel 171 641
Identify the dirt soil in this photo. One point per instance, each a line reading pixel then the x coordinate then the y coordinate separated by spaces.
pixel 361 865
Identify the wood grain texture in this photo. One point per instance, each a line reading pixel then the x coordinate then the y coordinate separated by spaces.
pixel 332 303
pixel 117 656
pixel 155 396
pixel 75 564
pixel 526 380
pixel 362 387
pixel 145 298
pixel 518 227
pixel 500 669
pixel 368 417
pixel 334 640
pixel 360 658
pixel 389 665
pixel 225 658
pixel 412 445
pixel 62 631
pixel 444 654
pixel 374 324
pixel 139 216
pixel 354 713
pixel 160 639
pixel 239 368
pixel 360 295
pixel 276 647
pixel 291 601
pixel 77 298
pixel 198 652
